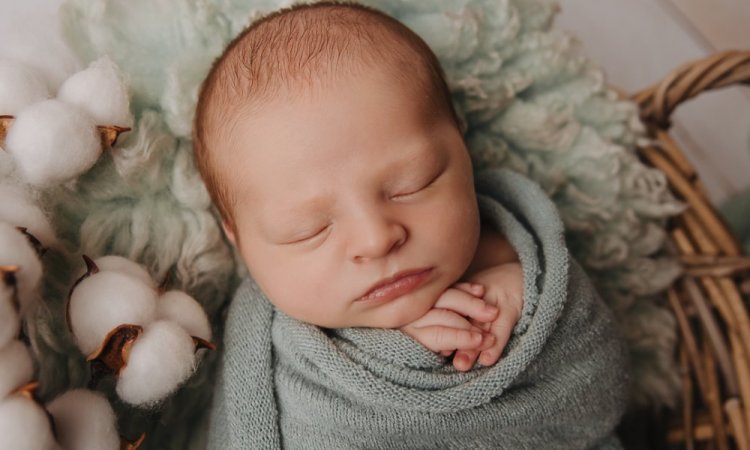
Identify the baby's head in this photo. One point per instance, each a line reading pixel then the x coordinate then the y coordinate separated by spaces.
pixel 327 139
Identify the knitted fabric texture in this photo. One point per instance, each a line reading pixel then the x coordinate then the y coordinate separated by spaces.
pixel 561 382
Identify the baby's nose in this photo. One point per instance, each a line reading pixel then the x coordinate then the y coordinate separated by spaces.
pixel 376 237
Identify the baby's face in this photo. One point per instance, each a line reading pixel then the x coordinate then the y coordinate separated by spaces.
pixel 343 189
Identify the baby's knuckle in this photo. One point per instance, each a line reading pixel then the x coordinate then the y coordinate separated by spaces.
pixel 437 338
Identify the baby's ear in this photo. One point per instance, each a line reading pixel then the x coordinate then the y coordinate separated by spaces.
pixel 229 231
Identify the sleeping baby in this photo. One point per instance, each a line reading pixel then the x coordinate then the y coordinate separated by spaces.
pixel 396 300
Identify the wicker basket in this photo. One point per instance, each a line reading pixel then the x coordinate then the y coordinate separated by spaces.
pixel 712 315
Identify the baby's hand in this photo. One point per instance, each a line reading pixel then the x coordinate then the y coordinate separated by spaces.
pixel 504 289
pixel 447 326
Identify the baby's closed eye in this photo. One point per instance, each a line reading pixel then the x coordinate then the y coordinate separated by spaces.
pixel 315 233
pixel 408 191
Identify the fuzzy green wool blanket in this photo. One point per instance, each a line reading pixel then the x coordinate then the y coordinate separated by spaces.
pixel 561 383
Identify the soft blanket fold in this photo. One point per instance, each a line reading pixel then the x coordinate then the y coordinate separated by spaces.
pixel 561 382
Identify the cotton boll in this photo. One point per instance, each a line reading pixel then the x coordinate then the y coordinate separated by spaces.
pixel 16 367
pixel 126 266
pixel 10 323
pixel 24 425
pixel 17 208
pixel 160 360
pixel 20 85
pixel 15 250
pixel 184 310
pixel 101 92
pixel 84 420
pixel 106 300
pixel 53 142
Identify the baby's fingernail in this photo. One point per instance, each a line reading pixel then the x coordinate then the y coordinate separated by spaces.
pixel 476 336
pixel 461 364
pixel 490 308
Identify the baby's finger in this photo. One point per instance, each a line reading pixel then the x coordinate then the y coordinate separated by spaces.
pixel 475 289
pixel 467 305
pixel 446 353
pixel 439 338
pixel 441 317
pixel 464 360
pixel 484 326
pixel 501 329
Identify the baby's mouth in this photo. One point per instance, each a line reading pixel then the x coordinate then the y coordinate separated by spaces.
pixel 400 284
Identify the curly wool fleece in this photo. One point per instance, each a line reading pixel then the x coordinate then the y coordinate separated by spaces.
pixel 530 102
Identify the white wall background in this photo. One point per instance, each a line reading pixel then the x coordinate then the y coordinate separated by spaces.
pixel 636 42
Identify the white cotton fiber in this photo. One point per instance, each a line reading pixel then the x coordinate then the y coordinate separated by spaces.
pixel 184 310
pixel 101 92
pixel 24 425
pixel 20 85
pixel 10 323
pixel 18 208
pixel 160 360
pixel 53 142
pixel 126 266
pixel 15 250
pixel 103 301
pixel 16 368
pixel 84 420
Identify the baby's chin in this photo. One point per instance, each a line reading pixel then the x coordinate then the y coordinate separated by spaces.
pixel 391 315
pixel 395 314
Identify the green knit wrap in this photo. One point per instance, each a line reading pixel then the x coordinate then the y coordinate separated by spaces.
pixel 561 382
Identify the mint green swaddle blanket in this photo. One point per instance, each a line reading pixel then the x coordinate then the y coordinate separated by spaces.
pixel 560 384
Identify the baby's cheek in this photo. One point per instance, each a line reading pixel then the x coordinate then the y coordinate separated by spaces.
pixel 311 295
pixel 458 249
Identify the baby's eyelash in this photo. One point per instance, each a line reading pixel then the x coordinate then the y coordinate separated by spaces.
pixel 428 184
pixel 310 236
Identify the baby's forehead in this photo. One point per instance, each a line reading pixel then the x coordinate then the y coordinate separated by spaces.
pixel 313 46
pixel 312 49
pixel 309 46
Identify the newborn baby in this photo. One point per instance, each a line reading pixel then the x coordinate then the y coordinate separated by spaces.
pixel 328 141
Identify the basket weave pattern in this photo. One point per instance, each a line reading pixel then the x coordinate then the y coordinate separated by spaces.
pixel 707 301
